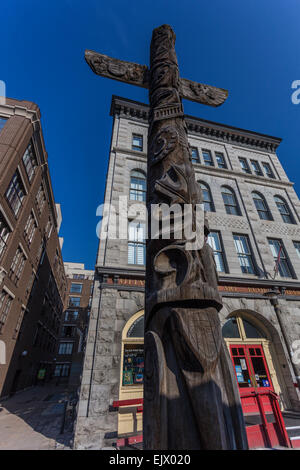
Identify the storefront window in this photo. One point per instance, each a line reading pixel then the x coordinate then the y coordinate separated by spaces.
pixel 133 364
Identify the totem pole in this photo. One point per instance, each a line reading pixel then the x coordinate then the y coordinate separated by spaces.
pixel 191 400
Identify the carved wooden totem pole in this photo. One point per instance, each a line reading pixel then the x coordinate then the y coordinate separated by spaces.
pixel 191 400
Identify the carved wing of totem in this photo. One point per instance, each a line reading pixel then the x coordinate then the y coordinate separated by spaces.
pixel 136 74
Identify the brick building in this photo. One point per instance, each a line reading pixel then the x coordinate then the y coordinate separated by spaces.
pixel 32 279
pixel 74 324
pixel 253 214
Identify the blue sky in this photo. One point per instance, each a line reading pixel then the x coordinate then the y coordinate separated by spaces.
pixel 250 48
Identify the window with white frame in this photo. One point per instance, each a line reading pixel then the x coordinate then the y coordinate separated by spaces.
pixel 214 240
pixel 76 288
pixel 5 305
pixel 207 197
pixel 282 263
pixel 207 158
pixel 268 170
pixel 17 266
pixel 65 348
pixel 261 206
pixel 40 199
pixel 220 160
pixel 284 210
pixel 74 301
pixel 62 370
pixel 136 243
pixel 244 165
pixel 4 234
pixel 137 142
pixel 297 247
pixel 243 249
pixel 15 193
pixel 71 315
pixel 19 323
pixel 195 155
pixel 30 161
pixel 256 168
pixel 137 186
pixel 230 201
pixel 30 228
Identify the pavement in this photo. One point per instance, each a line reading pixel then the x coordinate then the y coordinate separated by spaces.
pixel 33 419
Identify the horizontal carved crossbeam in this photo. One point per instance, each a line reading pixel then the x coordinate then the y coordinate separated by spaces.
pixel 136 74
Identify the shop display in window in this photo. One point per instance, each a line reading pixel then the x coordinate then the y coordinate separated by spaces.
pixel 133 364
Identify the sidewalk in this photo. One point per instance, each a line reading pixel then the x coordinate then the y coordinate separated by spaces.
pixel 33 419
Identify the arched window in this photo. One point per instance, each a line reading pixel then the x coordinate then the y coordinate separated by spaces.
pixel 207 198
pixel 230 201
pixel 261 206
pixel 136 330
pixel 284 210
pixel 137 186
pixel 239 327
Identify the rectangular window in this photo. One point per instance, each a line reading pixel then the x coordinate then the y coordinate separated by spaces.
pixel 242 246
pixel 195 155
pixel 76 288
pixel 137 142
pixel 74 301
pixel 17 266
pixel 15 193
pixel 62 370
pixel 244 165
pixel 68 331
pixel 30 228
pixel 256 168
pixel 71 315
pixel 214 240
pixel 137 186
pixel 40 199
pixel 268 170
pixel 30 161
pixel 220 160
pixel 65 348
pixel 78 276
pixel 2 123
pixel 207 158
pixel 5 304
pixel 282 263
pixel 136 243
pixel 297 247
pixel 19 323
pixel 4 234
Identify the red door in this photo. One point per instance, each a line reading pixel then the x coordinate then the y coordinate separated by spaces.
pixel 252 374
pixel 264 424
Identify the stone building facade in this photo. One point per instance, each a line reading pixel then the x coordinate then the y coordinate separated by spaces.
pixel 74 324
pixel 32 279
pixel 253 214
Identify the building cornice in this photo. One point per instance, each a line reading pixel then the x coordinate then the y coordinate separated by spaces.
pixel 222 132
pixel 132 273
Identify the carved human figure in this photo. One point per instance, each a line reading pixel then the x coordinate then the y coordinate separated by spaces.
pixel 190 395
